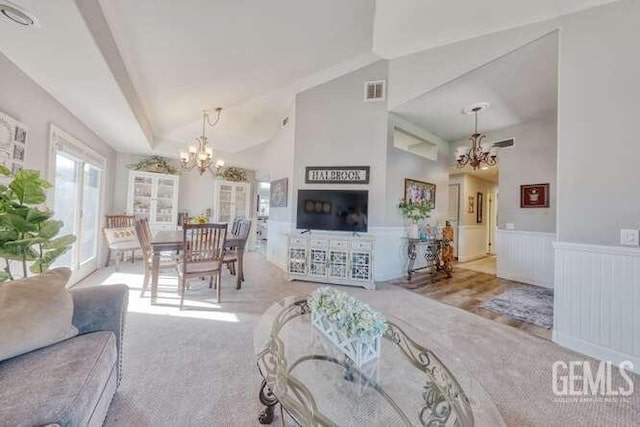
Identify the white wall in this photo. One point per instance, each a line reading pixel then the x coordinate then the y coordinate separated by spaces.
pixel 28 103
pixel 532 160
pixel 402 164
pixel 597 283
pixel 335 127
pixel 598 124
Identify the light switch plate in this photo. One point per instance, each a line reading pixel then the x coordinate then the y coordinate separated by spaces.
pixel 630 237
pixel 510 226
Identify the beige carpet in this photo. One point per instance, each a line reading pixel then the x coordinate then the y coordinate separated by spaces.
pixel 197 367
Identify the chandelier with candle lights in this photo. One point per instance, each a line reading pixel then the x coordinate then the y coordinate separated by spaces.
pixel 479 154
pixel 200 155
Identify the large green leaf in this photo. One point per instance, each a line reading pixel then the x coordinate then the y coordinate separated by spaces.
pixel 28 192
pixel 50 228
pixel 35 215
pixel 40 266
pixel 16 222
pixel 4 171
pixel 25 242
pixel 60 242
pixel 8 235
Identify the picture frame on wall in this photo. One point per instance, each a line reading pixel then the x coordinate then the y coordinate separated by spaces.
pixel 470 202
pixel 419 192
pixel 534 196
pixel 13 143
pixel 279 193
pixel 479 208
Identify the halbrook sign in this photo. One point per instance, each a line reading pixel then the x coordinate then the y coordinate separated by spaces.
pixel 336 175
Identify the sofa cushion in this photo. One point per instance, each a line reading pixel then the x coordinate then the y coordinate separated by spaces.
pixel 35 312
pixel 120 235
pixel 62 383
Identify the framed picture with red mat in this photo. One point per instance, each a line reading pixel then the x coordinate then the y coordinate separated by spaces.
pixel 534 196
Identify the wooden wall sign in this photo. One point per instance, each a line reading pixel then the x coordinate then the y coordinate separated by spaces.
pixel 534 196
pixel 336 175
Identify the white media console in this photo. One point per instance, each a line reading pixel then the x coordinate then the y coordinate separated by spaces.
pixel 339 259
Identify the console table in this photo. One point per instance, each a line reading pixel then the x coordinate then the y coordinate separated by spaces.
pixel 438 253
pixel 328 258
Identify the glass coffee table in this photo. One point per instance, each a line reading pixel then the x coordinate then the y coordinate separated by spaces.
pixel 317 385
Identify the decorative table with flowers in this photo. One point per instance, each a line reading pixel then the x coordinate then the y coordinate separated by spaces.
pixel 317 379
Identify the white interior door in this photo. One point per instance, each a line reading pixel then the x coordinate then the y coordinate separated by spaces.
pixel 77 201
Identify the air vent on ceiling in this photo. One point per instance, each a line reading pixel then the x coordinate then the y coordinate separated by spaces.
pixel 284 122
pixel 374 90
pixel 505 143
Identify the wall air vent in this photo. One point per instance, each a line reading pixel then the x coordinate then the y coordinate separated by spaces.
pixel 374 91
pixel 284 122
pixel 505 143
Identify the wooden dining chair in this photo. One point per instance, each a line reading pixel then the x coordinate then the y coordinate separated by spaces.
pixel 242 228
pixel 167 260
pixel 119 245
pixel 203 254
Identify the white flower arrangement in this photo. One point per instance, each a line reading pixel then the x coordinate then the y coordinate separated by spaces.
pixel 351 316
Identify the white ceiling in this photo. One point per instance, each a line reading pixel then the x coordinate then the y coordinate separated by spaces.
pixel 193 55
pixel 520 86
pixel 251 57
pixel 408 26
pixel 62 57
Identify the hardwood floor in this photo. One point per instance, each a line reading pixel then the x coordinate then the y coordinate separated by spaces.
pixel 468 289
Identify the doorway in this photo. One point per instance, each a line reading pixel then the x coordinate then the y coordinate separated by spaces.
pixel 77 202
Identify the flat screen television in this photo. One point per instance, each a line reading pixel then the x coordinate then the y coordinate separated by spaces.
pixel 336 210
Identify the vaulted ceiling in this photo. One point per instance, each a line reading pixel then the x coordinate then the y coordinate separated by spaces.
pixel 140 72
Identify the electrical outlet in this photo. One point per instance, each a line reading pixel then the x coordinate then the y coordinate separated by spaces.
pixel 630 237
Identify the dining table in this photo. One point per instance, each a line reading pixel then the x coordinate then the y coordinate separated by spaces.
pixel 173 240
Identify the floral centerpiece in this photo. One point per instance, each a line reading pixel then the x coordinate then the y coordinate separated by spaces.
pixel 348 322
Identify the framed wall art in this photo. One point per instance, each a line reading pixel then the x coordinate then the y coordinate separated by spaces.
pixel 278 193
pixel 470 203
pixel 534 196
pixel 418 192
pixel 13 143
pixel 479 207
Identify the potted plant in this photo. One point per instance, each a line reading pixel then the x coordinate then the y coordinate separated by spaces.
pixel 27 230
pixel 415 213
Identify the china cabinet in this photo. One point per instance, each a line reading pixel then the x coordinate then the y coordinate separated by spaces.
pixel 338 259
pixel 154 196
pixel 232 200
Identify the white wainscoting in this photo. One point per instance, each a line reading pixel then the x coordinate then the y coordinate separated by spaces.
pixel 277 242
pixel 597 301
pixel 472 242
pixel 390 261
pixel 526 256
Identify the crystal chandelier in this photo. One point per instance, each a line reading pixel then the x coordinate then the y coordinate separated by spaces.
pixel 479 155
pixel 199 154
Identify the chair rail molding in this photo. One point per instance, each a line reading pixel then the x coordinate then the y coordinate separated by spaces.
pixel 526 256
pixel 597 289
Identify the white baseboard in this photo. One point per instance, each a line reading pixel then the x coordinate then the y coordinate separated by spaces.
pixel 596 351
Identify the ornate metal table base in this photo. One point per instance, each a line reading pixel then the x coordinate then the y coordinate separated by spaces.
pixel 269 400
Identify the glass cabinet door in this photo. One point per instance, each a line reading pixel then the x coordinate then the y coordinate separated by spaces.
pixel 241 202
pixel 165 206
pixel 142 196
pixel 225 203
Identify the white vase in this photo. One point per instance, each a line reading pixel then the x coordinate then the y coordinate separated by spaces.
pixel 413 232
